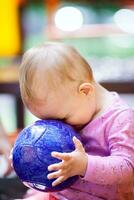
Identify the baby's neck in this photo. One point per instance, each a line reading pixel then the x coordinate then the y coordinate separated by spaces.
pixel 103 99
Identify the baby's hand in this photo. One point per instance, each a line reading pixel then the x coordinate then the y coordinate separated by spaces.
pixel 74 163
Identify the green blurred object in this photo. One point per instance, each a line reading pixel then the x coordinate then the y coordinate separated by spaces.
pixel 115 46
pixel 112 46
pixel 5 62
pixel 29 118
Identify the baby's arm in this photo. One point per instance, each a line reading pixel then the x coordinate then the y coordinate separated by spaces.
pixel 74 163
pixel 118 167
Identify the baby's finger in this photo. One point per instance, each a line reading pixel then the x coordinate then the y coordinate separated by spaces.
pixel 78 144
pixel 58 181
pixel 60 156
pixel 55 167
pixel 54 174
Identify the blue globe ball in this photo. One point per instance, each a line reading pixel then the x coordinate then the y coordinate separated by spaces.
pixel 32 153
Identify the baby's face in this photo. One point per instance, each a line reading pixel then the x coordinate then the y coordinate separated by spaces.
pixel 74 109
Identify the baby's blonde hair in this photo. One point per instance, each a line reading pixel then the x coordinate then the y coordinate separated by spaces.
pixel 51 65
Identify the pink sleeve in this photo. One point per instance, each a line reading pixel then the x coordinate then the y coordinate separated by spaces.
pixel 119 165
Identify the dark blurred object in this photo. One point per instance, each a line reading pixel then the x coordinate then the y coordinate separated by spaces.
pixel 103 2
pixel 11 188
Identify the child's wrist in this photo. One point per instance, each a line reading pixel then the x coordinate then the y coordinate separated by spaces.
pixel 85 162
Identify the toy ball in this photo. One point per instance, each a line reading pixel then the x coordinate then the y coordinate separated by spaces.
pixel 32 153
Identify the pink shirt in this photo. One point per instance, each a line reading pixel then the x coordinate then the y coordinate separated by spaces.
pixel 109 142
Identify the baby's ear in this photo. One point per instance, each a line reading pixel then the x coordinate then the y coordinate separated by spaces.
pixel 86 88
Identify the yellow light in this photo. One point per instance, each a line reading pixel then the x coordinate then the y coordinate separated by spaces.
pixel 9 28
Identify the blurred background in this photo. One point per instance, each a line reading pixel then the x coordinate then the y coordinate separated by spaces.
pixel 101 30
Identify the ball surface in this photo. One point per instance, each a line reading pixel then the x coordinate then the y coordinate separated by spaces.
pixel 32 153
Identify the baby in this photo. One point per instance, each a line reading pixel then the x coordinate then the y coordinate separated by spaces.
pixel 56 82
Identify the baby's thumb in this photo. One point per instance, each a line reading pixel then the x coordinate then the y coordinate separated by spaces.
pixel 78 144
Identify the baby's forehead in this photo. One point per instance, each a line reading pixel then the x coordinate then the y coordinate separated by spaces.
pixel 46 71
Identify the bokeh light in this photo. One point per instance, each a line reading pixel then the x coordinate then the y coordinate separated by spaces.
pixel 68 18
pixel 124 18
